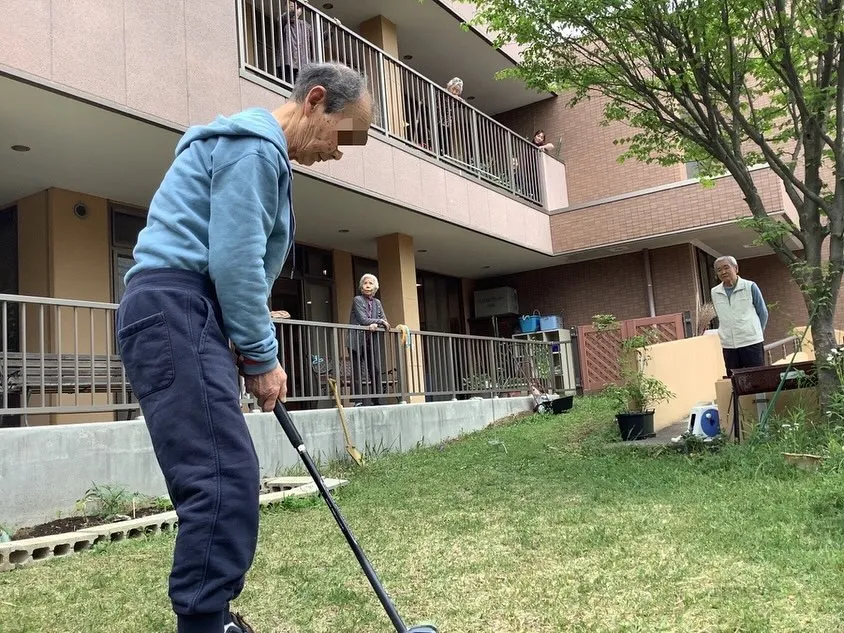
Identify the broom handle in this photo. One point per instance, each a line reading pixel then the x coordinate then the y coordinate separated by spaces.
pixel 342 412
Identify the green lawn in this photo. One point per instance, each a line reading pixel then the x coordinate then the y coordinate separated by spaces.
pixel 555 533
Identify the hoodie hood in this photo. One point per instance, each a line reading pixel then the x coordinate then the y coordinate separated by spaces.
pixel 257 122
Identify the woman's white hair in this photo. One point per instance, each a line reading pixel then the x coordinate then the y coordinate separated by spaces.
pixel 455 82
pixel 372 278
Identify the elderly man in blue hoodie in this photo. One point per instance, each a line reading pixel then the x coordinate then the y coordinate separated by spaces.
pixel 219 230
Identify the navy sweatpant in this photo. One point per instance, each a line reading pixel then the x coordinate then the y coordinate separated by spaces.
pixel 181 370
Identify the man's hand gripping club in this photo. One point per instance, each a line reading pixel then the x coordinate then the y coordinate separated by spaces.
pixel 268 387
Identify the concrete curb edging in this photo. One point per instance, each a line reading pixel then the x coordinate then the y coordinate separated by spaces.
pixel 25 552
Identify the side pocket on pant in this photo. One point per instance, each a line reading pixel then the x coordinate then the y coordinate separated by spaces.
pixel 147 354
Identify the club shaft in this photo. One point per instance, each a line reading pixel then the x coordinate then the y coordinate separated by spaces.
pixel 289 428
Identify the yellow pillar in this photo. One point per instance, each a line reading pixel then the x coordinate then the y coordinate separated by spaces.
pixel 397 280
pixel 66 256
pixel 382 33
pixel 80 268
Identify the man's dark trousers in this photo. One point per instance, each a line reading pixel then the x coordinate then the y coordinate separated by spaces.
pixel 744 357
pixel 181 370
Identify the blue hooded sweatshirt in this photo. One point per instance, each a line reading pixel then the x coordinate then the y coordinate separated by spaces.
pixel 224 209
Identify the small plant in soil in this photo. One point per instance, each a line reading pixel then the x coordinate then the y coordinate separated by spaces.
pixel 99 505
pixel 107 502
pixel 636 394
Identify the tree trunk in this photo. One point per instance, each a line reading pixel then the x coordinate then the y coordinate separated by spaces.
pixel 823 337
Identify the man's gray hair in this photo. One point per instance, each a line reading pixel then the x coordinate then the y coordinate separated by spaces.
pixel 343 85
pixel 729 259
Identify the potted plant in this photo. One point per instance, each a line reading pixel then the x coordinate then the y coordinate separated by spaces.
pixel 636 394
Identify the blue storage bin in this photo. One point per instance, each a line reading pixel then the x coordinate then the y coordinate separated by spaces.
pixel 529 323
pixel 550 322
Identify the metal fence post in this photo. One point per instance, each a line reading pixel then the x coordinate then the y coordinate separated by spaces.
pixel 476 143
pixel 511 167
pixel 493 375
pixel 452 369
pixel 382 80
pixel 435 128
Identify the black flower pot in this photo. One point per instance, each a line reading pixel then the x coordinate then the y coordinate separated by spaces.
pixel 636 426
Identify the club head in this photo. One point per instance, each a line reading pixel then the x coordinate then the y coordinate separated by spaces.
pixel 423 628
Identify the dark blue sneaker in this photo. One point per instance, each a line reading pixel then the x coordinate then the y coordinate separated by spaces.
pixel 236 624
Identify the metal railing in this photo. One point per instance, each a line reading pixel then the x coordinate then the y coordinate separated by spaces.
pixel 60 357
pixel 277 37
pixel 783 348
pixel 390 367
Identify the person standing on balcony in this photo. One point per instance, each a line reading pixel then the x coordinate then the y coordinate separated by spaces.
pixel 453 122
pixel 218 232
pixel 539 141
pixel 297 42
pixel 742 317
pixel 365 346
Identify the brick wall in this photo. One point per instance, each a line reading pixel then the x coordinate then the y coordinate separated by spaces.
pixel 785 303
pixel 679 208
pixel 592 169
pixel 612 285
pixel 674 279
pixel 616 285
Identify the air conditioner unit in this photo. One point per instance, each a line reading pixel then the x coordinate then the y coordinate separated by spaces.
pixel 496 302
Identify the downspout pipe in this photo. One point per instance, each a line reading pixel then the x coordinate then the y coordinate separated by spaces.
pixel 649 282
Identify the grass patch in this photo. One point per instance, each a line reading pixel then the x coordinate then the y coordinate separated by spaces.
pixel 533 526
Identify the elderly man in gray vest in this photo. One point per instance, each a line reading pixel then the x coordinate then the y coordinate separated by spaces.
pixel 742 317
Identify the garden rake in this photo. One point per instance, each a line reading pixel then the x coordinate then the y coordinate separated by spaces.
pixel 353 452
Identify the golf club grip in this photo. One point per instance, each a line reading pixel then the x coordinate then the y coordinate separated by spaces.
pixel 286 423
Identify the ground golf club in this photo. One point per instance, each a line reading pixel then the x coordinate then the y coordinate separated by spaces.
pixel 286 423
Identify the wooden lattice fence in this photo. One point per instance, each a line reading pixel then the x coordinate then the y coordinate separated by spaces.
pixel 600 350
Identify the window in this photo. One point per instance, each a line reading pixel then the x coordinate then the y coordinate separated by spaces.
pixel 126 224
pixel 692 169
pixel 440 303
pixel 317 262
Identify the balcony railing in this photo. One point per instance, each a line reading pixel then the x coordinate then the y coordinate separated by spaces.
pixel 277 37
pixel 60 357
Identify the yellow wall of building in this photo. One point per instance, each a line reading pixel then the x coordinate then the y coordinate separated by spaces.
pixel 80 247
pixel 689 368
pixel 80 268
pixel 65 256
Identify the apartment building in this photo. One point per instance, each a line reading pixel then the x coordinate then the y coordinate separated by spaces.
pixel 448 197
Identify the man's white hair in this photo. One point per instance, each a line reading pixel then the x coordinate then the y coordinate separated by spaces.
pixel 729 259
pixel 372 278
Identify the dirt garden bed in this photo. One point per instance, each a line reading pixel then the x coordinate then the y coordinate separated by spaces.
pixel 74 524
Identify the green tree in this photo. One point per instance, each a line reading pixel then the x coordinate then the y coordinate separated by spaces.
pixel 734 85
